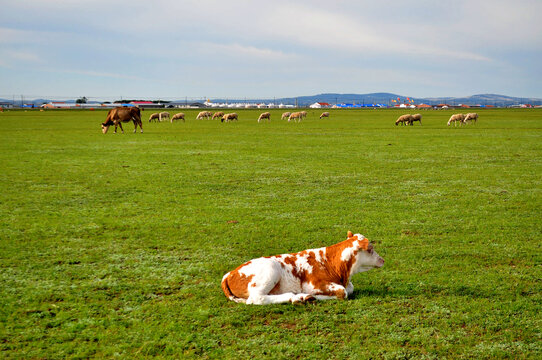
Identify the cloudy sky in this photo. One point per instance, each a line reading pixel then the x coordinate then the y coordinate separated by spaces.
pixel 249 49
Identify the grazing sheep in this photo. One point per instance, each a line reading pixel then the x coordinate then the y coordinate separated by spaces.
pixel 324 114
pixel 296 116
pixel 154 117
pixel 416 117
pixel 229 117
pixel 471 117
pixel 179 116
pixel 163 115
pixel 218 115
pixel 455 118
pixel 204 114
pixel 265 115
pixel 407 118
pixel 285 115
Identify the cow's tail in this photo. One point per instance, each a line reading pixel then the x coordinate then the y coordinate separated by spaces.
pixel 227 291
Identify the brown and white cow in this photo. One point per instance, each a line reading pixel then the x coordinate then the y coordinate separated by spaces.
pixel 315 274
pixel 265 115
pixel 285 115
pixel 118 115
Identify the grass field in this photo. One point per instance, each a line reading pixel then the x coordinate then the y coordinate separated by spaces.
pixel 115 245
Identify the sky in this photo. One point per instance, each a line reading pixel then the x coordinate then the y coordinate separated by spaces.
pixel 269 49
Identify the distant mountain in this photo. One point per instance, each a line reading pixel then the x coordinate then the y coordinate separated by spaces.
pixel 386 98
pixel 336 98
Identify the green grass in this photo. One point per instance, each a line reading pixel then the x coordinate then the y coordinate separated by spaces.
pixel 115 245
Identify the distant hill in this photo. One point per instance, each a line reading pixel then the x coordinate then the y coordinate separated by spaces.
pixel 336 98
pixel 386 98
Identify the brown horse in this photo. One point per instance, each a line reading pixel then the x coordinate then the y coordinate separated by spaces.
pixel 121 114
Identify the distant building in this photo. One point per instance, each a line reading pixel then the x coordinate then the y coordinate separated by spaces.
pixel 319 105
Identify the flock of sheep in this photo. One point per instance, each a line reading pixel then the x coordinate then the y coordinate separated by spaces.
pixel 409 119
pixel 406 119
pixel 463 118
pixel 296 116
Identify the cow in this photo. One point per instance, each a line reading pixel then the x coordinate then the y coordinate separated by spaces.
pixel 118 115
pixel 296 116
pixel 324 114
pixel 455 118
pixel 155 117
pixel 470 117
pixel 265 115
pixel 163 115
pixel 178 116
pixel 303 114
pixel 218 115
pixel 285 115
pixel 229 117
pixel 314 274
pixel 407 118
pixel 415 117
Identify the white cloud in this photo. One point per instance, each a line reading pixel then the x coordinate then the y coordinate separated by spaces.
pixel 238 50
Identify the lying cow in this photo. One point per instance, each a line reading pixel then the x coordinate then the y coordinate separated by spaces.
pixel 118 115
pixel 265 115
pixel 315 274
pixel 178 116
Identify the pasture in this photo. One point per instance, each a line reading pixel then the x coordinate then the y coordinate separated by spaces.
pixel 115 245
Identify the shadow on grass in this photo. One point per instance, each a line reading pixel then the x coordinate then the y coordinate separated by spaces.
pixel 409 290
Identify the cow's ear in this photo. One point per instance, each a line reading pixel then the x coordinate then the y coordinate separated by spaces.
pixel 364 244
pixel 349 234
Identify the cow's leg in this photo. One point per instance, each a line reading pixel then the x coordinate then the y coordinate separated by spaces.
pixel 120 125
pixel 334 291
pixel 268 276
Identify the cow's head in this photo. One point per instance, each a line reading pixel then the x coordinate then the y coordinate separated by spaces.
pixel 106 125
pixel 366 257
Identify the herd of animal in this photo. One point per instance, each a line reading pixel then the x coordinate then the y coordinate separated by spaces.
pixel 295 117
pixel 462 119
pixel 119 115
